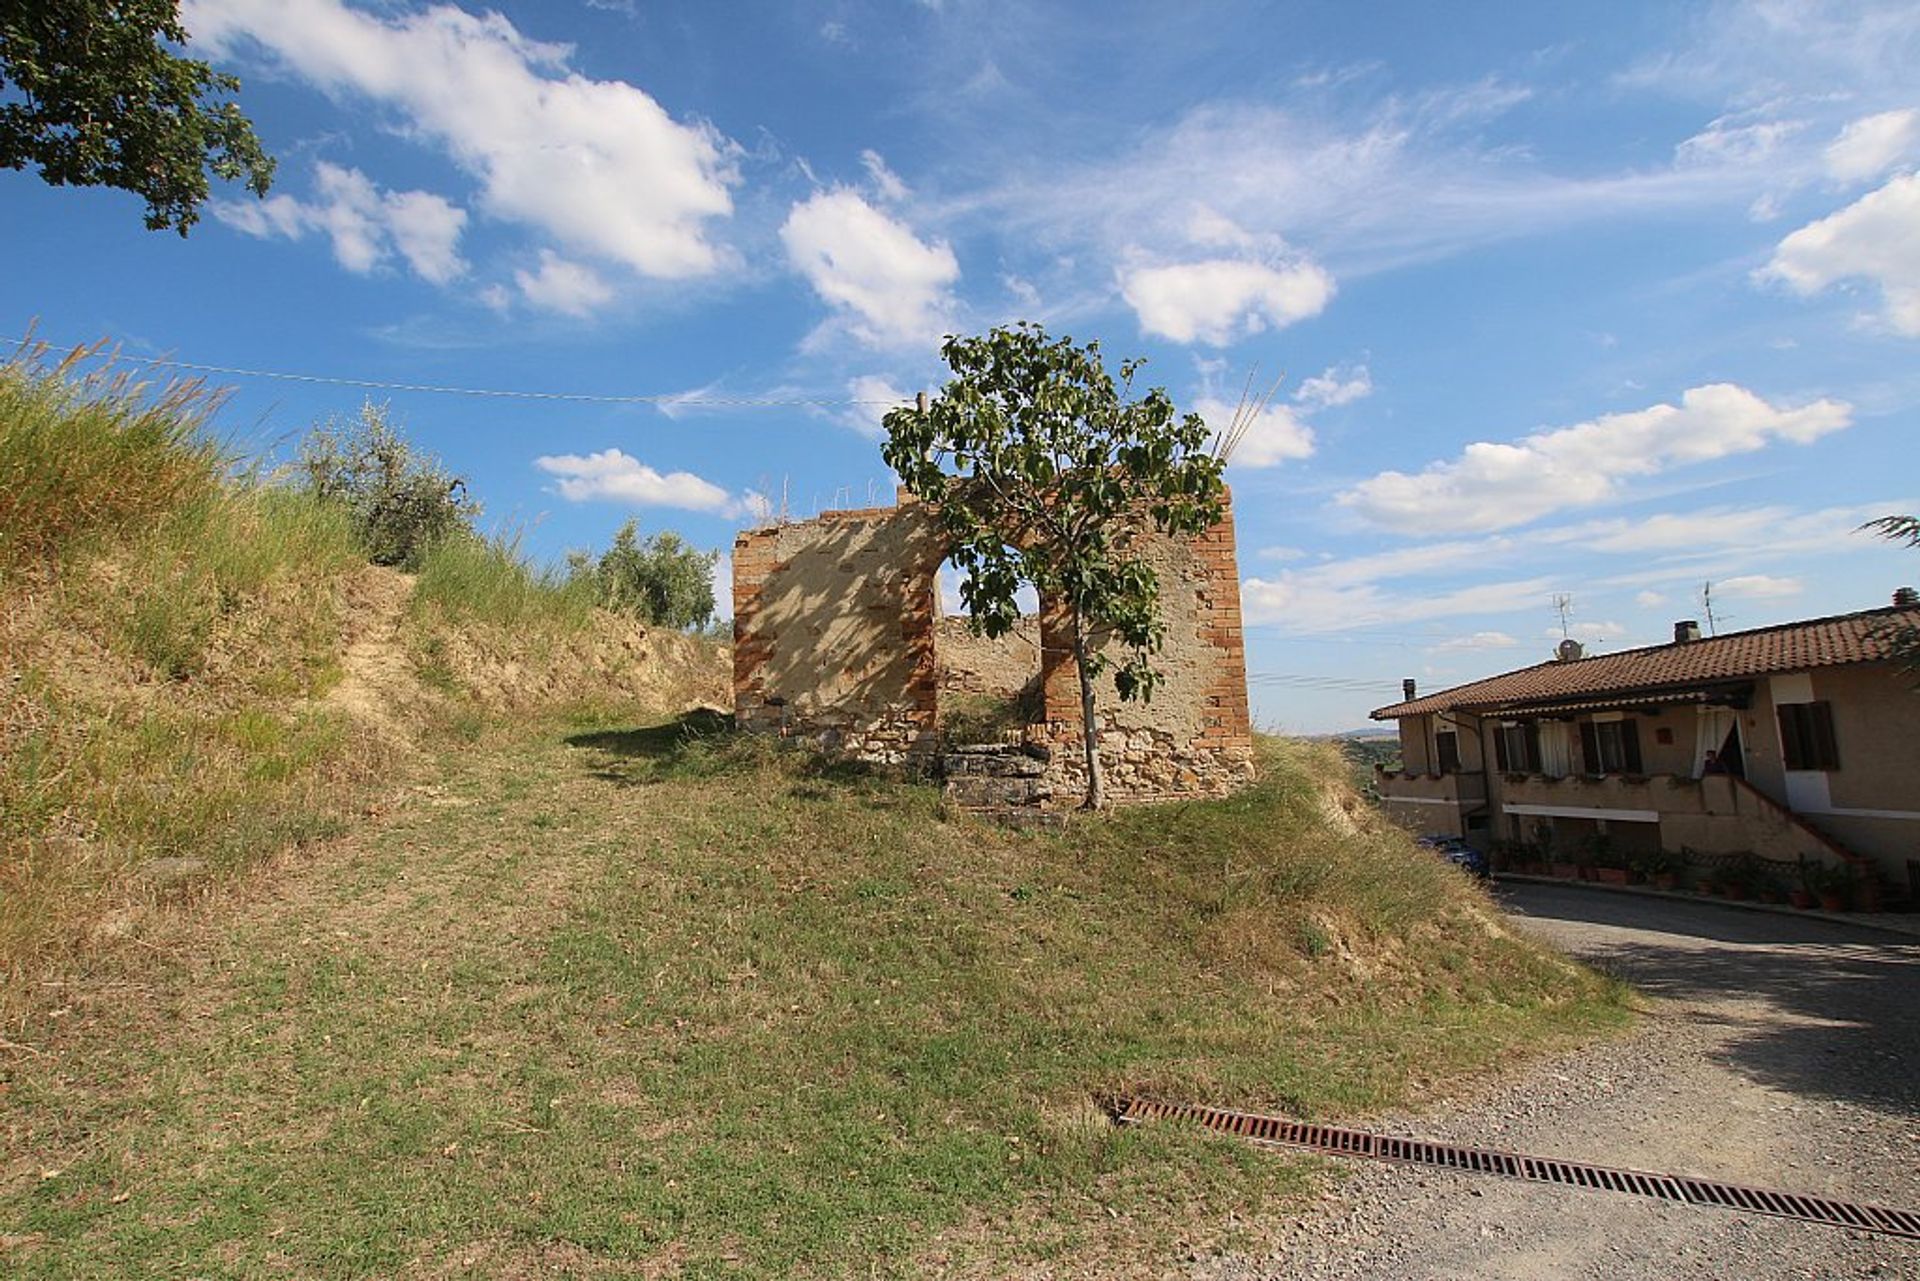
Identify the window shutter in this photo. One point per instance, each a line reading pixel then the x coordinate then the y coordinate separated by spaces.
pixel 1630 745
pixel 1791 754
pixel 1500 749
pixel 1590 747
pixel 1826 754
pixel 1532 736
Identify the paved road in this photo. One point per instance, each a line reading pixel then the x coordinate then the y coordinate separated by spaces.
pixel 1780 1051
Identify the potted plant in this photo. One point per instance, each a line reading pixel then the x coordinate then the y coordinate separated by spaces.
pixel 1737 880
pixel 1832 885
pixel 1605 865
pixel 1807 892
pixel 1659 868
pixel 1766 885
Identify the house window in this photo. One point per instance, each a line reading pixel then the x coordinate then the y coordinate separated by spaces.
pixel 1806 736
pixel 1611 747
pixel 1446 749
pixel 1516 748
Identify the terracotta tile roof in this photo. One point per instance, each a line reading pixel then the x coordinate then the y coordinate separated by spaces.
pixel 1788 647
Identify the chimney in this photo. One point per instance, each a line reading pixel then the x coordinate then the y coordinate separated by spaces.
pixel 1906 597
pixel 1687 629
pixel 1407 688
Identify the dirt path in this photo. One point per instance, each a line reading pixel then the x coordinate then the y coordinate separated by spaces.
pixel 1780 1052
pixel 376 672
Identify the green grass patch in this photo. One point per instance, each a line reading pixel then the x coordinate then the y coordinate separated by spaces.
pixel 654 997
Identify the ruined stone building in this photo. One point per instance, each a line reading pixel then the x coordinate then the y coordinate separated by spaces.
pixel 839 639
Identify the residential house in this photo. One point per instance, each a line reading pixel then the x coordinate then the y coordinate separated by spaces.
pixel 1795 741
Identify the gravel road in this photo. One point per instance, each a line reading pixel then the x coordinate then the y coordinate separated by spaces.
pixel 1780 1052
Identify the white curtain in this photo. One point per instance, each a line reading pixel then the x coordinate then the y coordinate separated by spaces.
pixel 1556 749
pixel 1713 724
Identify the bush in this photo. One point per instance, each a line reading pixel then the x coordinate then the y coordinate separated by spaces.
pixel 402 502
pixel 663 580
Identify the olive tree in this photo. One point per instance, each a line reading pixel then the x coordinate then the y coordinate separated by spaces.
pixel 1046 471
pixel 662 580
pixel 94 97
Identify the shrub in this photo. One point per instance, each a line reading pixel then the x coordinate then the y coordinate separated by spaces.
pixel 402 501
pixel 663 580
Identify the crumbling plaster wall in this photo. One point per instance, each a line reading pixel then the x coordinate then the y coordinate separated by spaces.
pixel 833 627
pixel 838 639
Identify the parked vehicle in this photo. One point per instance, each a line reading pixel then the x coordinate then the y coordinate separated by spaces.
pixel 1456 851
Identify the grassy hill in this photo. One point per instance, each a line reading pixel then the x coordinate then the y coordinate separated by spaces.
pixel 358 924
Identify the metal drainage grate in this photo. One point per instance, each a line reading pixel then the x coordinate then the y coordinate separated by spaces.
pixel 1339 1141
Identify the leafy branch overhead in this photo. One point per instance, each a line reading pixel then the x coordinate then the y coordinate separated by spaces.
pixel 1047 471
pixel 95 98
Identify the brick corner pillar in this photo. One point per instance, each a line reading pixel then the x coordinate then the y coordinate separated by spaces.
pixel 753 561
pixel 1229 726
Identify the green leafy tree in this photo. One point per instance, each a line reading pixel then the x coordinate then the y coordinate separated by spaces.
pixel 1045 471
pixel 402 501
pixel 97 99
pixel 663 580
pixel 1902 635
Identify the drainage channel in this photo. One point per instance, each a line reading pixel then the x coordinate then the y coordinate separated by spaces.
pixel 1336 1140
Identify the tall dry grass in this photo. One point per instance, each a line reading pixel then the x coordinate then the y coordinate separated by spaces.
pixel 162 628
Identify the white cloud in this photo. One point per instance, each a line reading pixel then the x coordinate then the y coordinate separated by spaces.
pixel 1759 587
pixel 1479 640
pixel 886 183
pixel 1335 387
pixel 1220 300
pixel 1874 144
pixel 563 286
pixel 890 287
pixel 1497 486
pixel 366 225
pixel 1876 238
pixel 1649 600
pixel 1308 602
pixel 1589 632
pixel 877 395
pixel 1726 143
pixel 1275 435
pixel 597 164
pixel 618 476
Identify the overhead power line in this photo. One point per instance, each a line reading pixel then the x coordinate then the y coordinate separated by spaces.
pixel 658 400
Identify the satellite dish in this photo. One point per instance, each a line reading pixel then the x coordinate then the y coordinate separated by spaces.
pixel 1570 649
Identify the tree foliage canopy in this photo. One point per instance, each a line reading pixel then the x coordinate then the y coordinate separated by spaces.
pixel 1902 637
pixel 90 93
pixel 663 580
pixel 402 501
pixel 1046 471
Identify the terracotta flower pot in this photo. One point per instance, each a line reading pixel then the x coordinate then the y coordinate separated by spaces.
pixel 1800 899
pixel 1610 875
pixel 1664 880
pixel 1833 902
pixel 1565 871
pixel 1737 893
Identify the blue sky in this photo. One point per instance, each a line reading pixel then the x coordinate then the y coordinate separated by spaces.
pixel 1609 302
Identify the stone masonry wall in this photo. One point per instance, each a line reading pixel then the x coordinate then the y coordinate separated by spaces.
pixel 1195 736
pixel 833 626
pixel 1000 667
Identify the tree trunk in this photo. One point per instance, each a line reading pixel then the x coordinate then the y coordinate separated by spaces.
pixel 1089 731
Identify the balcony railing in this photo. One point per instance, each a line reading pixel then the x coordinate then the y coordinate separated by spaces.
pixel 1458 789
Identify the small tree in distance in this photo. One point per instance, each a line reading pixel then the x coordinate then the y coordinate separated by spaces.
pixel 401 500
pixel 663 580
pixel 1045 471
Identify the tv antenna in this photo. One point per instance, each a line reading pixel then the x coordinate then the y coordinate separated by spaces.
pixel 1706 607
pixel 1563 606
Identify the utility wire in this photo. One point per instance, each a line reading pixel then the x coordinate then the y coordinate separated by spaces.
pixel 662 399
